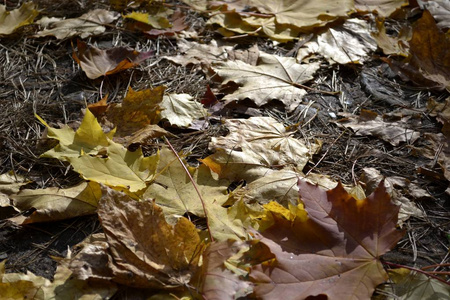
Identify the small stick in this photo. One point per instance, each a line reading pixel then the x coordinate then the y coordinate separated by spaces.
pixel 416 270
pixel 195 186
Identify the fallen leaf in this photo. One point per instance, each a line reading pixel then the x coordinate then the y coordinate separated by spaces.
pixel 280 20
pixel 99 108
pixel 96 157
pixel 180 110
pixel 138 109
pixel 96 62
pixel 177 21
pixel 53 204
pixel 429 61
pixel 369 123
pixel 219 282
pixel 440 10
pixel 384 8
pixel 397 45
pixel 195 53
pixel 442 113
pixel 410 285
pixel 30 286
pixel 10 183
pixel 156 19
pixel 10 21
pixel 350 43
pixel 332 251
pixel 274 77
pixel 177 195
pixel 91 23
pixel 145 251
pixel 401 191
pixel 266 141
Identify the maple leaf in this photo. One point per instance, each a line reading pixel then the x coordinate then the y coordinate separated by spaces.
pixel 145 250
pixel 84 26
pixel 369 123
pixel 177 195
pixel 180 110
pixel 12 20
pixel 137 110
pixel 280 20
pixel 52 204
pixel 331 248
pixel 96 157
pixel 255 145
pixel 384 8
pixel 274 77
pixel 350 43
pixel 177 21
pixel 96 62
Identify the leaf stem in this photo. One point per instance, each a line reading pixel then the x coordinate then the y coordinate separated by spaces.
pixel 194 184
pixel 415 270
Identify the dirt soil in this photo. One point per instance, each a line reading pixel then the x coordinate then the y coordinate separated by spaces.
pixel 39 76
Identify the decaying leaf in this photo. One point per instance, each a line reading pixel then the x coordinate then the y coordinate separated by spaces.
pixel 144 250
pixel 273 78
pixel 370 123
pixel 29 286
pixel 329 249
pixel 195 53
pixel 96 62
pixel 138 109
pixel 442 113
pixel 181 110
pixel 10 183
pixel 12 20
pixel 157 19
pixel 52 204
pixel 219 281
pixel 392 45
pixel 91 23
pixel 257 141
pixel 280 20
pixel 349 43
pixel 409 285
pixel 177 21
pixel 96 157
pixel 401 191
pixel 429 61
pixel 440 10
pixel 384 8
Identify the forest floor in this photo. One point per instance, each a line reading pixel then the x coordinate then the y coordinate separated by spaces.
pixel 39 76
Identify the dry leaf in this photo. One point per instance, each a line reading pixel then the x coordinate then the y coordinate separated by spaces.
pixel 349 43
pixel 138 109
pixel 266 141
pixel 145 251
pixel 384 8
pixel 96 62
pixel 14 19
pixel 180 109
pixel 409 285
pixel 392 45
pixel 369 123
pixel 274 77
pixel 332 251
pixel 440 10
pixel 177 21
pixel 219 282
pixel 84 26
pixel 442 113
pixel 157 19
pixel 52 204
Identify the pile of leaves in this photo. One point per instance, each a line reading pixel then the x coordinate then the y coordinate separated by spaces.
pixel 247 208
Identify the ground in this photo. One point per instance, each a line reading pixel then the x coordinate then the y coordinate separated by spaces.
pixel 39 76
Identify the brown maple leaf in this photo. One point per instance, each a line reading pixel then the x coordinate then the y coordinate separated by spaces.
pixel 333 252
pixel 96 62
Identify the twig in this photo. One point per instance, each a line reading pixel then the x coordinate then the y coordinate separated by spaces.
pixel 195 186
